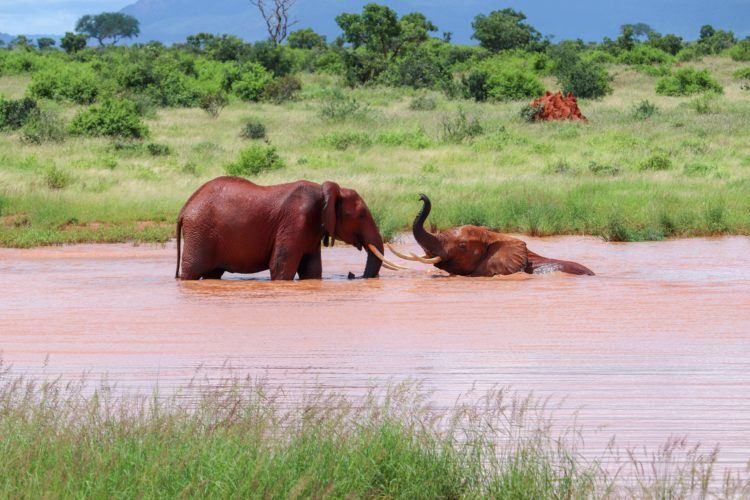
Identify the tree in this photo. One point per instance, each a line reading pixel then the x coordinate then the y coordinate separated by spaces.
pixel 671 44
pixel 276 18
pixel 45 43
pixel 640 30
pixel 114 25
pixel 306 39
pixel 707 31
pixel 72 43
pixel 21 42
pixel 379 30
pixel 626 40
pixel 503 30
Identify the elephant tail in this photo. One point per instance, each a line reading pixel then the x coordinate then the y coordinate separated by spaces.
pixel 179 238
pixel 539 264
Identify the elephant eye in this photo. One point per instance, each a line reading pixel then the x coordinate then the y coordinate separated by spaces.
pixel 462 246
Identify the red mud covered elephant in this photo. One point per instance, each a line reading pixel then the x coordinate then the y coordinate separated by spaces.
pixel 232 225
pixel 477 251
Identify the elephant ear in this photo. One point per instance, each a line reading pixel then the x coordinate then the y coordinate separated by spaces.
pixel 331 194
pixel 505 255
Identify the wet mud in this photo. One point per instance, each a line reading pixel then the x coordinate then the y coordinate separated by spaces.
pixel 657 344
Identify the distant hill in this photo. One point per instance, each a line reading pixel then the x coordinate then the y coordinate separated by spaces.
pixel 4 37
pixel 173 20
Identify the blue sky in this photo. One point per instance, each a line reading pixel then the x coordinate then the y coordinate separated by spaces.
pixel 49 16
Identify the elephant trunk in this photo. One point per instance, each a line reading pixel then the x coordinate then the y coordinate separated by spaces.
pixel 426 240
pixel 372 267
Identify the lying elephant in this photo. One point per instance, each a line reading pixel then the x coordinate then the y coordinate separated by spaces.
pixel 232 225
pixel 477 251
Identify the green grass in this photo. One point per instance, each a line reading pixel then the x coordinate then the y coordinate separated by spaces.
pixel 500 177
pixel 246 439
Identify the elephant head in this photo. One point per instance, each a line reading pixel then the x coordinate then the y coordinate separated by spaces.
pixel 347 218
pixel 478 251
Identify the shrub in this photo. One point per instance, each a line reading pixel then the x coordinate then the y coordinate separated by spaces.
pixel 419 69
pixel 15 113
pixel 213 103
pixel 416 139
pixel 254 160
pixel 741 51
pixel 513 85
pixel 113 117
pixel 697 169
pixel 78 84
pixel 337 106
pixel 644 110
pixel 643 54
pixel 460 126
pixel 705 104
pixel 282 89
pixel 55 178
pixel 155 149
pixel 687 81
pixel 584 79
pixel 475 85
pixel 657 161
pixel 529 112
pixel 343 140
pixel 423 102
pixel 604 169
pixel 559 167
pixel 253 129
pixel 43 126
pixel 251 82
pixel 742 74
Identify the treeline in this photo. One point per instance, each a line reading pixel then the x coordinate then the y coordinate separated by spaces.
pixel 377 47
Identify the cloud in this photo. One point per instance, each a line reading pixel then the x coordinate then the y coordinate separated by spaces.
pixel 49 16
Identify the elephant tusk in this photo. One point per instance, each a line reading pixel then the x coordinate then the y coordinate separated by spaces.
pixel 425 260
pixel 386 262
pixel 400 255
pixel 392 268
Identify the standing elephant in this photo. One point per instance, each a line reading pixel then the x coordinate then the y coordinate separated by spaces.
pixel 232 225
pixel 477 251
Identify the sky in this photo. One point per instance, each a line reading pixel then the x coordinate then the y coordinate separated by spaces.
pixel 49 16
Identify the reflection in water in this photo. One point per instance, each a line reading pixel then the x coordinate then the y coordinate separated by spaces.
pixel 658 343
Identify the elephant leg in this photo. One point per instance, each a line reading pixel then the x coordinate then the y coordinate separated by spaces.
pixel 284 263
pixel 310 267
pixel 216 274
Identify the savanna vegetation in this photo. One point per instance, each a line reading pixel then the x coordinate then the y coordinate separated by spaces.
pixel 105 143
pixel 246 438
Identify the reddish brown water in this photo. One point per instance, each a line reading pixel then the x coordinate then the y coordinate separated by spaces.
pixel 657 344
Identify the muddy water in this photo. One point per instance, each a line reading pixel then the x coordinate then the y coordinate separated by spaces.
pixel 657 344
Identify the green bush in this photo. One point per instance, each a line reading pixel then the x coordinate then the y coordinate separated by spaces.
pixel 459 127
pixel 337 106
pixel 643 54
pixel 113 117
pixel 282 89
pixel 343 140
pixel 604 169
pixel 742 74
pixel 583 79
pixel 741 51
pixel 43 126
pixel 55 178
pixel 657 161
pixel 475 85
pixel 251 82
pixel 253 129
pixel 644 110
pixel 14 114
pixel 529 112
pixel 419 69
pixel 78 84
pixel 705 104
pixel 254 160
pixel 423 102
pixel 213 102
pixel 513 85
pixel 155 149
pixel 687 81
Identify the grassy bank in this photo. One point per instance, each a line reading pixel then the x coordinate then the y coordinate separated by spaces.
pixel 682 171
pixel 246 439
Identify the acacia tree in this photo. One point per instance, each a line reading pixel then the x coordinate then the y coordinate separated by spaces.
pixel 112 25
pixel 72 43
pixel 276 17
pixel 45 43
pixel 504 29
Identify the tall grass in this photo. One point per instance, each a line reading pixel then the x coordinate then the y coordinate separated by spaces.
pixel 244 438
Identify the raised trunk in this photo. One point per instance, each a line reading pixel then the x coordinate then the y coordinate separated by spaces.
pixel 426 240
pixel 372 268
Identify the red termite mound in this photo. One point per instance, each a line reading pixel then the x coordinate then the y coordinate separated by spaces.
pixel 557 107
